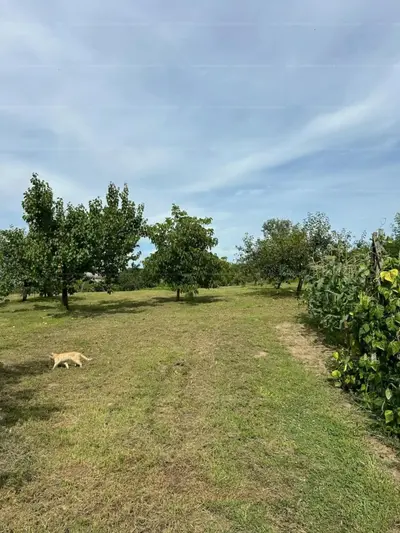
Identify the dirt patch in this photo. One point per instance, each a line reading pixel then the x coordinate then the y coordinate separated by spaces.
pixel 259 355
pixel 387 454
pixel 304 345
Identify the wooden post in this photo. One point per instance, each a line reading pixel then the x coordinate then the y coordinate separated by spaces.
pixel 376 260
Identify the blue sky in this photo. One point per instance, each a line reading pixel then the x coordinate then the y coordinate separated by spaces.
pixel 237 110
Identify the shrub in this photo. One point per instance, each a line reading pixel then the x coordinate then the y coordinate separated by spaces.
pixel 131 279
pixel 333 287
pixel 363 315
pixel 369 365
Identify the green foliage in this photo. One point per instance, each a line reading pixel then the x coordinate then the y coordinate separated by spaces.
pixel 392 243
pixel 136 278
pixel 286 250
pixel 230 273
pixel 370 363
pixel 320 236
pixel 16 272
pixel 280 255
pixel 183 259
pixel 333 286
pixel 68 241
pixel 61 249
pixel 364 316
pixel 131 279
pixel 115 230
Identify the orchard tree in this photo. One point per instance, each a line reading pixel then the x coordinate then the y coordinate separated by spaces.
pixel 69 241
pixel 283 251
pixel 183 258
pixel 249 258
pixel 286 250
pixel 319 236
pixel 230 273
pixel 279 255
pixel 62 252
pixel 115 230
pixel 392 244
pixel 16 261
pixel 5 280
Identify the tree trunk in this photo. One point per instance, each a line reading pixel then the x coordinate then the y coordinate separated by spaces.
pixel 278 284
pixel 299 286
pixel 178 295
pixel 64 298
pixel 24 293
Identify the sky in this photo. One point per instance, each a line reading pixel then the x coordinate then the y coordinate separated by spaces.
pixel 241 111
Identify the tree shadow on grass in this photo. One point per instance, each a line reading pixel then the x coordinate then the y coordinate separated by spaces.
pixel 18 405
pixel 105 307
pixel 125 306
pixel 197 300
pixel 271 292
pixel 36 307
pixel 40 303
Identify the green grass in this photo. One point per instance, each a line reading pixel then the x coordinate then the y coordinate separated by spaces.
pixel 176 425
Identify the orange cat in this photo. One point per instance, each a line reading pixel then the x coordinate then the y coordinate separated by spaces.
pixel 74 357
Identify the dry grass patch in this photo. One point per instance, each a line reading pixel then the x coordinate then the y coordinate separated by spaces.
pixel 304 345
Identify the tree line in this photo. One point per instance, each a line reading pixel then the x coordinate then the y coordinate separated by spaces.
pixel 63 243
pixel 287 251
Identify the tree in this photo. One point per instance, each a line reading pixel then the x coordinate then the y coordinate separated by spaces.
pixel 249 258
pixel 69 241
pixel 319 236
pixel 280 255
pixel 392 244
pixel 60 235
pixel 116 229
pixel 135 278
pixel 5 281
pixel 183 258
pixel 16 261
pixel 230 273
pixel 286 250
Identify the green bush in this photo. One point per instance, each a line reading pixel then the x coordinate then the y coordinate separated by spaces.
pixel 369 365
pixel 362 315
pixel 131 279
pixel 333 287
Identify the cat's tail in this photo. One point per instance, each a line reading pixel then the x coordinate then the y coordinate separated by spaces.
pixel 86 358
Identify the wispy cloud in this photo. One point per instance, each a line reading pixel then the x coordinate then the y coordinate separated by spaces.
pixel 236 110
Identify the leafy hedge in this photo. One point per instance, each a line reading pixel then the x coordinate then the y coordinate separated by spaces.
pixel 333 288
pixel 364 316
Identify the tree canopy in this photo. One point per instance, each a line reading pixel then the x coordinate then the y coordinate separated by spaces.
pixel 115 230
pixel 67 241
pixel 16 267
pixel 286 249
pixel 183 258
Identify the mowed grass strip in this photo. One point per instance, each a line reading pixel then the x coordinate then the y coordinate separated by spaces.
pixel 190 418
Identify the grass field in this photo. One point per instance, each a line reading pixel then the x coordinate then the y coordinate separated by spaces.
pixel 190 418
